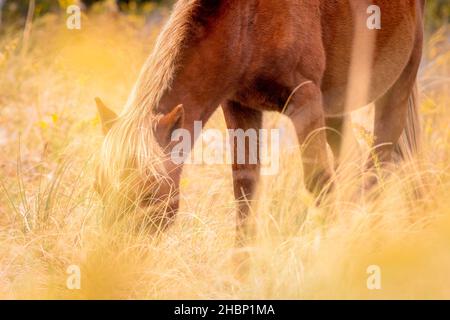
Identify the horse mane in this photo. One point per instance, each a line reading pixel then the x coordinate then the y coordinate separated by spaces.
pixel 130 144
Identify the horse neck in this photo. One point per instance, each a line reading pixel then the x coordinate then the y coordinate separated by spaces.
pixel 211 62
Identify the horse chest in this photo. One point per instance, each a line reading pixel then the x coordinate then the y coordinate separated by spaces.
pixel 263 93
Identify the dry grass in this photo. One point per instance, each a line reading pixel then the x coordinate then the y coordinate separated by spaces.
pixel 49 213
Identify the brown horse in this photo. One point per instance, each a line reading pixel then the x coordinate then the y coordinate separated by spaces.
pixel 250 56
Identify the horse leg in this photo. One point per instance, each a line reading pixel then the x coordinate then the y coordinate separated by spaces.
pixel 245 175
pixel 307 114
pixel 335 131
pixel 391 112
pixel 338 128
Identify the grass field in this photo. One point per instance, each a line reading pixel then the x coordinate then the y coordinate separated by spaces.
pixel 49 212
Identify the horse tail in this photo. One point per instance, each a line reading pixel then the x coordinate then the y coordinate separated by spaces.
pixel 410 141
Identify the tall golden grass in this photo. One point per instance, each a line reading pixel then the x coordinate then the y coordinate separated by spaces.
pixel 50 215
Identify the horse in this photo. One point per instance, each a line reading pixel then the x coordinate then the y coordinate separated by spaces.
pixel 296 57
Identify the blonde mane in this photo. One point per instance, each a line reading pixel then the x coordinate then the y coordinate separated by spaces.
pixel 130 144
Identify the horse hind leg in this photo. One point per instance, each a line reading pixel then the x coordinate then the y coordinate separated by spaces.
pixel 395 114
pixel 338 129
pixel 245 175
pixel 308 116
pixel 335 126
pixel 342 140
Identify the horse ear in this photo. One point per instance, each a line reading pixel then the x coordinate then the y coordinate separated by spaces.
pixel 168 123
pixel 107 116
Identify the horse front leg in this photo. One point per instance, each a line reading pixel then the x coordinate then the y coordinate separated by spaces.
pixel 307 114
pixel 245 175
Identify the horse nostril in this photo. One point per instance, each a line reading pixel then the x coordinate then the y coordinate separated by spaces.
pixel 146 201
